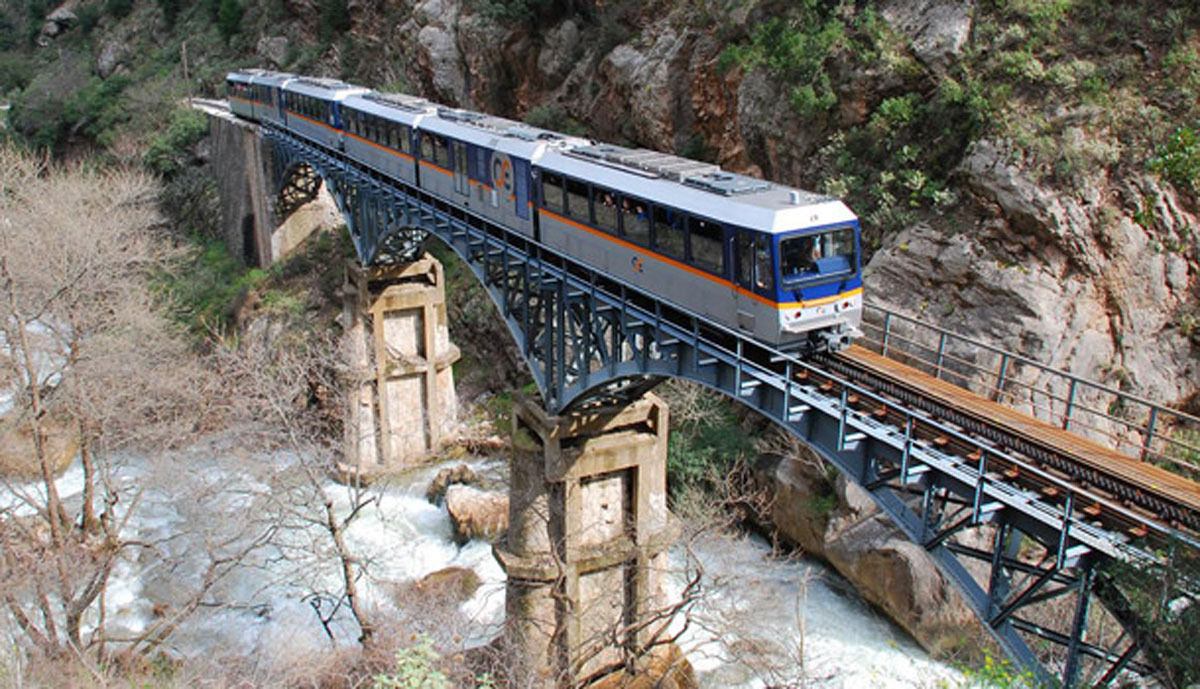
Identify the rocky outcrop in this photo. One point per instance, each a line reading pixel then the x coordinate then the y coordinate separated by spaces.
pixel 58 21
pixel 1072 280
pixel 837 521
pixel 936 30
pixel 461 474
pixel 476 514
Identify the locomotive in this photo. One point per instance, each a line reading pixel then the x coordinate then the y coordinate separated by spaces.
pixel 781 264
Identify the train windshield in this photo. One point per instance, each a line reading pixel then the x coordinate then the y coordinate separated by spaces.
pixel 803 257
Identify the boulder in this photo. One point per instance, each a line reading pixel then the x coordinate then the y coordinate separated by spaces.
pixel 838 522
pixel 453 583
pixel 936 30
pixel 476 514
pixel 442 63
pixel 274 49
pixel 56 23
pixel 461 474
pixel 112 55
pixel 560 51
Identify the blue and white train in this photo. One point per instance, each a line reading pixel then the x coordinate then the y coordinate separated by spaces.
pixel 781 264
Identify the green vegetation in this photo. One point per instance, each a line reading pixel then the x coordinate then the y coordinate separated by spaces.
pixel 1178 158
pixel 1163 596
pixel 229 18
pixel 995 673
pixel 334 21
pixel 167 149
pixel 554 118
pixel 511 11
pixel 796 51
pixel 417 668
pixel 706 439
pixel 118 8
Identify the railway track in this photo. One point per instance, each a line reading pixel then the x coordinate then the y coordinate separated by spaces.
pixel 1122 492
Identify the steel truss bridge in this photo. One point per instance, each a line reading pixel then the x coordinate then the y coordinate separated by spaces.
pixel 1015 532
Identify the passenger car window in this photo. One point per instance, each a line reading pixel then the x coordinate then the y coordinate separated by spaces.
pixel 577 200
pixel 605 204
pixel 552 192
pixel 441 152
pixel 668 231
pixel 707 243
pixel 635 220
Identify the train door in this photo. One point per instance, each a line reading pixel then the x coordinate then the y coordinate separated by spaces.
pixel 461 181
pixel 754 276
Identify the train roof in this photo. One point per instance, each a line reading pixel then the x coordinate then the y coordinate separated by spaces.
pixel 394 106
pixel 332 89
pixel 699 187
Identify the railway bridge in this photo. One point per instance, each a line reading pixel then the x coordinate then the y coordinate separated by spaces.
pixel 1027 497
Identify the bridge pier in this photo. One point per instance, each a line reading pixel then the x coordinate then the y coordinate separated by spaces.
pixel 587 539
pixel 402 400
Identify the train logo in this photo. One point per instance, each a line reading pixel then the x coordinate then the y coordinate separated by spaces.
pixel 502 174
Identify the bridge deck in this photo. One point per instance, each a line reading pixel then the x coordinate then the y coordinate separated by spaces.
pixel 1080 449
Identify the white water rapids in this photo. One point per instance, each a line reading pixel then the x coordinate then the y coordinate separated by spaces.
pixel 762 621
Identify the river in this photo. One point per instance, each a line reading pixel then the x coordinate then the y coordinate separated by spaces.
pixel 762 620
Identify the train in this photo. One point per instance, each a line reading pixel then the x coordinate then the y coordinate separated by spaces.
pixel 780 264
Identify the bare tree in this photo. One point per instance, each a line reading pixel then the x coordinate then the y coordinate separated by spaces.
pixel 87 350
pixel 284 391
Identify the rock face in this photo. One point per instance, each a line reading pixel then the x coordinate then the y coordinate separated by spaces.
pixel 476 514
pixel 1076 283
pixel 461 474
pixel 838 522
pixel 58 21
pixel 937 30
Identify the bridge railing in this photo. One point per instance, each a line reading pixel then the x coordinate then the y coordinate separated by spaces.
pixel 1130 424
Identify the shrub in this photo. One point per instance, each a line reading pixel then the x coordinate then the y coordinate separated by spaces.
pixel 1178 158
pixel 170 10
pixel 229 18
pixel 15 72
pixel 334 21
pixel 556 119
pixel 166 149
pixel 118 8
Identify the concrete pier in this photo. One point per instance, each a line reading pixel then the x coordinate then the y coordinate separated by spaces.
pixel 587 539
pixel 402 403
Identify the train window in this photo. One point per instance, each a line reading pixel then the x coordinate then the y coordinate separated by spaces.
pixel 764 275
pixel 635 220
pixel 668 231
pixel 577 200
pixel 605 204
pixel 707 245
pixel 745 259
pixel 405 139
pixel 552 192
pixel 426 146
pixel 441 152
pixel 809 255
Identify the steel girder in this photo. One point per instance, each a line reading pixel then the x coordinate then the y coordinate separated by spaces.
pixel 590 338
